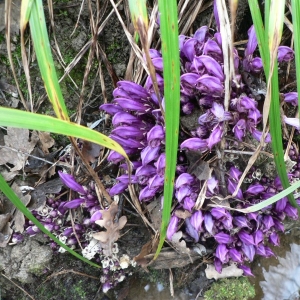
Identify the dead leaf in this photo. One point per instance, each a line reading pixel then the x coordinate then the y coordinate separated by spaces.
pixel 112 233
pixel 182 214
pixel 149 247
pixel 45 142
pixel 198 167
pixel 155 211
pixel 5 235
pixel 18 145
pixel 180 246
pixel 18 217
pixel 90 151
pixel 230 271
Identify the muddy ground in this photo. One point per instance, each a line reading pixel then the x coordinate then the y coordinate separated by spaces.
pixel 60 276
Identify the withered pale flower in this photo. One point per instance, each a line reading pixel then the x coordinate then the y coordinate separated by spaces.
pixel 71 183
pixel 220 113
pixel 292 121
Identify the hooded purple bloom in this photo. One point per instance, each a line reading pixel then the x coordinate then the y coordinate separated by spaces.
pixel 147 194
pixel 269 252
pixel 172 227
pixel 201 34
pixel 239 129
pixel 194 144
pixel 161 164
pixel 218 265
pixel 260 250
pixel 257 135
pixel 274 239
pixel 235 255
pixel 191 231
pixel 220 113
pixel 197 220
pixel 223 238
pixel 213 49
pixel 215 136
pixel 216 15
pixel 281 204
pixel 156 182
pixel 235 173
pixel 218 212
pixel 182 192
pixel 248 102
pixel 258 237
pixel 74 203
pixel 130 104
pixel 252 41
pixel 241 221
pixel 278 225
pixel 114 157
pixel 255 189
pixel 118 189
pixel 149 154
pixel 184 179
pixel 267 222
pixel 209 84
pixel 111 108
pixel 208 222
pixel 212 183
pixel 246 238
pixel 124 118
pixel 222 253
pixel 71 183
pixel 227 221
pixel 188 204
pixel 292 98
pixel 247 270
pixel 158 63
pixel 291 211
pixel 285 54
pixel 126 142
pixel 256 65
pixel 97 215
pixel 211 65
pixel 129 132
pixel 155 136
pixel 231 188
pixel 188 49
pixel 133 88
pixel 249 251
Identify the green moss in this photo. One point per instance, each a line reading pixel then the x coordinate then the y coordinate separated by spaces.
pixel 230 289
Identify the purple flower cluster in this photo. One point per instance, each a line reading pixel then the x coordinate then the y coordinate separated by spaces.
pixel 139 127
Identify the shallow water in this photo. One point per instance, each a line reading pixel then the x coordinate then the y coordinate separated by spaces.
pixel 283 266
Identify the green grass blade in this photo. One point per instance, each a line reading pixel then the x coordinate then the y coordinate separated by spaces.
pixel 9 193
pixel 296 26
pixel 267 202
pixel 22 119
pixel 170 53
pixel 45 60
pixel 268 41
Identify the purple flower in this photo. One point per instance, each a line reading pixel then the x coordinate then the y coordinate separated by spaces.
pixel 129 132
pixel 257 135
pixel 194 144
pixel 235 173
pixel 212 183
pixel 182 192
pixel 126 142
pixel 130 104
pixel 156 182
pixel 246 238
pixel 197 220
pixel 201 34
pixel 252 41
pixel 124 118
pixel 261 250
pixel 292 98
pixel 249 251
pixel 143 173
pixel 235 255
pixel 191 231
pixel 97 215
pixel 227 221
pixel 218 265
pixel 231 188
pixel 285 53
pixel 111 108
pixel 188 49
pixel 184 179
pixel 239 129
pixel 291 211
pixel 222 253
pixel 133 88
pixel 220 113
pixel 114 157
pixel 213 49
pixel 258 237
pixel 209 84
pixel 255 115
pixel 281 204
pixel 247 270
pixel 155 136
pixel 74 203
pixel 256 65
pixel 267 222
pixel 118 189
pixel 255 189
pixel 149 154
pixel 71 183
pixel 274 239
pixel 215 136
pixel 241 221
pixel 248 102
pixel 158 63
pixel 211 65
pixel 218 212
pixel 172 227
pixel 223 238
pixel 208 222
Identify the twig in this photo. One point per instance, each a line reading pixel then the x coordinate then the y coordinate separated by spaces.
pixel 18 287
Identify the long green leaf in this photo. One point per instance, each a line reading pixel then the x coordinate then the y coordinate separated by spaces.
pixel 9 193
pixel 268 42
pixel 296 28
pixel 44 57
pixel 170 53
pixel 22 119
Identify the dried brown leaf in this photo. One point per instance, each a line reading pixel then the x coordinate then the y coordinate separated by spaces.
pixel 112 226
pixel 149 247
pixel 230 271
pixel 45 142
pixel 90 151
pixel 180 245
